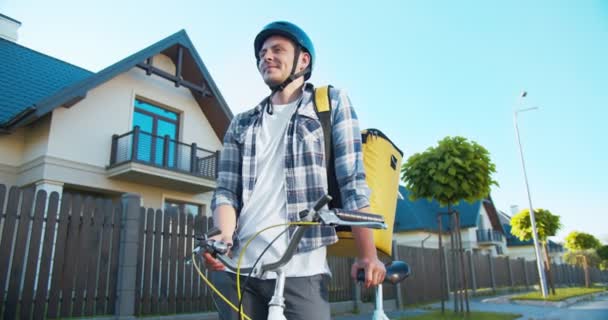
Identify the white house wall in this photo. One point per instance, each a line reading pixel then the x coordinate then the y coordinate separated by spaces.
pixel 415 238
pixel 36 139
pixel 11 156
pixel 485 222
pixel 528 253
pixel 73 146
pixel 83 132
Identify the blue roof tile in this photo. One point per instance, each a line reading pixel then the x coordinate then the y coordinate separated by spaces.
pixel 422 214
pixel 27 76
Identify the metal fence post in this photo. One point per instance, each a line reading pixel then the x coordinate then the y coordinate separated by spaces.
pixel 492 276
pixel 525 266
pixel 399 294
pixel 127 259
pixel 472 271
pixel 510 270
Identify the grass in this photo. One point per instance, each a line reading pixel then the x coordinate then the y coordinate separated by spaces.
pixel 561 294
pixel 484 292
pixel 450 315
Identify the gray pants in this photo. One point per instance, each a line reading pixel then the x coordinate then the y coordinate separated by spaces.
pixel 305 297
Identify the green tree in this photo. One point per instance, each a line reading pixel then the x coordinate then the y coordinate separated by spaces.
pixel 454 170
pixel 576 258
pixel 602 253
pixel 547 225
pixel 581 244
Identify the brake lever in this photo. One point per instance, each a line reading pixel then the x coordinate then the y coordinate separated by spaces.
pixel 327 217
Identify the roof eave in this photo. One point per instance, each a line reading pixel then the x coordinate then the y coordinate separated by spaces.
pixel 17 120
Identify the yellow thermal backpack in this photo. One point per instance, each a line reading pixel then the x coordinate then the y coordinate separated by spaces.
pixel 382 162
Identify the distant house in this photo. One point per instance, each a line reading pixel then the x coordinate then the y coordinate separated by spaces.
pixel 150 124
pixel 525 249
pixel 416 224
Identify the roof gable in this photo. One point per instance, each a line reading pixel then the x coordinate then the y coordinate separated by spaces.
pixel 193 70
pixel 27 76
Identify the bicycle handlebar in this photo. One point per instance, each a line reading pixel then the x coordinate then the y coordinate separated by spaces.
pixel 325 217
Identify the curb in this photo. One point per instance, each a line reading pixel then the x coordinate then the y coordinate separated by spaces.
pixel 560 304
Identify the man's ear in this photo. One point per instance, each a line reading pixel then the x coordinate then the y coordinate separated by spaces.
pixel 304 60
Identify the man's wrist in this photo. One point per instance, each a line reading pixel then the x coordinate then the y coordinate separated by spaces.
pixel 368 257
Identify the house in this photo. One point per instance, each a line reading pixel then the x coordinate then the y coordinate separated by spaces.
pixel 417 224
pixel 150 124
pixel 525 249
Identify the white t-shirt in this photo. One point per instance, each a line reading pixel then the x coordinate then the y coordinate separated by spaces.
pixel 268 202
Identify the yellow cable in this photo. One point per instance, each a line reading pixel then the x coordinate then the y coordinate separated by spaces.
pixel 215 289
pixel 238 265
pixel 238 268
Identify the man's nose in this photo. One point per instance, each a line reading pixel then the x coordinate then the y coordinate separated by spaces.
pixel 266 56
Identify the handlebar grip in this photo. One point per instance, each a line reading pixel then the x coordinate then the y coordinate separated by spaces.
pixel 361 275
pixel 396 272
pixel 213 232
pixel 356 216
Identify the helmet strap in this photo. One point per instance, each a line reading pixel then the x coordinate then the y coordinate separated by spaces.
pixel 293 75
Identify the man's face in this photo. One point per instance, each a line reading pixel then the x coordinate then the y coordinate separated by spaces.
pixel 276 60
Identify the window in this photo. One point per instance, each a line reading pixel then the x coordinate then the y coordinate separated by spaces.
pixel 188 208
pixel 155 123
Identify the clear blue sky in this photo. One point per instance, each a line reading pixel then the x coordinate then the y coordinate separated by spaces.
pixel 417 70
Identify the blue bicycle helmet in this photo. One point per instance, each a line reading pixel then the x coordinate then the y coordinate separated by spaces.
pixel 295 34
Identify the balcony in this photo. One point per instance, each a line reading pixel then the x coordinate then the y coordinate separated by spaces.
pixel 489 236
pixel 140 157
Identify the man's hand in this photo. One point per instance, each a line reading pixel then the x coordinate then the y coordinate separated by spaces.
pixel 374 271
pixel 224 218
pixel 215 264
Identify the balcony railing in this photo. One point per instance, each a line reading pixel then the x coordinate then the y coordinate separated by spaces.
pixel 164 152
pixel 489 235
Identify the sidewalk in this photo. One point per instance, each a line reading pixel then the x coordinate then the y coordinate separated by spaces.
pixel 596 309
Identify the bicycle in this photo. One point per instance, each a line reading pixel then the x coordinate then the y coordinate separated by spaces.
pixel 396 271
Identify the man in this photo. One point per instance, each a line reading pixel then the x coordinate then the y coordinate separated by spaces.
pixel 273 166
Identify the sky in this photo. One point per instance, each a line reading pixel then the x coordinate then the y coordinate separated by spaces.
pixel 416 70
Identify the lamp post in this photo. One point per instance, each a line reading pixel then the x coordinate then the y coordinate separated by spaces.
pixel 537 249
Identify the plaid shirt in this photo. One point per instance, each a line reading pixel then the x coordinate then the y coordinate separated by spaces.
pixel 305 170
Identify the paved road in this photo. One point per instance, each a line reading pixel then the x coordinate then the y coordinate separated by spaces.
pixel 588 310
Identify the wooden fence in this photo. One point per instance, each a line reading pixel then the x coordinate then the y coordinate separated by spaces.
pixel 166 283
pixel 71 256
pixel 57 260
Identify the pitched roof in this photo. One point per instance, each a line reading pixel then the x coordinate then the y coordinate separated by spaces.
pixel 422 214
pixel 28 76
pixel 213 105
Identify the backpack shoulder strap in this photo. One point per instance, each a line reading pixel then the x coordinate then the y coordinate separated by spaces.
pixel 322 103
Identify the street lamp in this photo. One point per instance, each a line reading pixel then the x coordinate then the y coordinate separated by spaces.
pixel 541 270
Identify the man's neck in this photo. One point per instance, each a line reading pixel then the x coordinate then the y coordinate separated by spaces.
pixel 290 94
